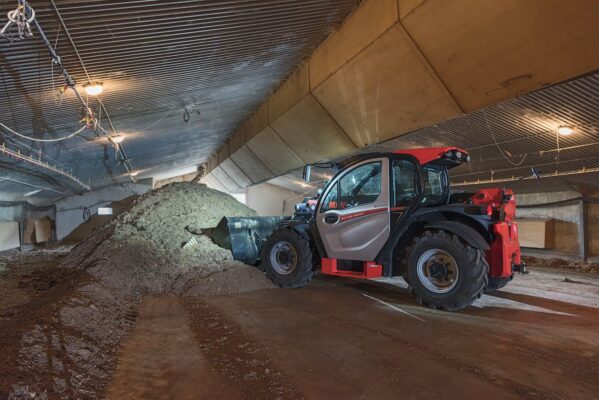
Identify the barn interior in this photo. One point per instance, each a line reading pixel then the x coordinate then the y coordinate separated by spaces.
pixel 137 139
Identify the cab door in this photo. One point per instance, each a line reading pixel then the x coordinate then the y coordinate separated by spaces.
pixel 353 217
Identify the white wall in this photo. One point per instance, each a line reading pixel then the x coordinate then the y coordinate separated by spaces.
pixel 69 211
pixel 270 200
pixel 9 235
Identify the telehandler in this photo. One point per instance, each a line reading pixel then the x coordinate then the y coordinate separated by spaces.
pixel 391 214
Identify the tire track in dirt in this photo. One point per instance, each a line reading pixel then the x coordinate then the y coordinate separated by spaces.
pixel 161 359
pixel 236 356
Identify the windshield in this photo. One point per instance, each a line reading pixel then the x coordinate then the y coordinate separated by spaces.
pixel 361 185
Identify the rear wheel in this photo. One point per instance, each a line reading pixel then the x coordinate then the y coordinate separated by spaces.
pixel 287 259
pixel 444 272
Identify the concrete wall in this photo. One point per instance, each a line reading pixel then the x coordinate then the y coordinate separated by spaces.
pixel 23 214
pixel 69 211
pixel 12 213
pixel 395 66
pixel 266 199
pixel 9 235
pixel 271 200
pixel 566 217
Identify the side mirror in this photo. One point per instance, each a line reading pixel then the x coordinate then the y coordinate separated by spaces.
pixel 306 173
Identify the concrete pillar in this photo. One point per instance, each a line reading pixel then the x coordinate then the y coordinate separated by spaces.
pixel 582 230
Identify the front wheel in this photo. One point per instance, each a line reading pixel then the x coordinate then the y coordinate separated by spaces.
pixel 444 272
pixel 287 259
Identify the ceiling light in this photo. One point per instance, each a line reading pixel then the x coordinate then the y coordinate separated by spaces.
pixel 565 130
pixel 94 89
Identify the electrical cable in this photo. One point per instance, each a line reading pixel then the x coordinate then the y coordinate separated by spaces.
pixel 70 39
pixel 145 128
pixel 43 140
pixel 124 159
pixel 515 164
pixel 69 81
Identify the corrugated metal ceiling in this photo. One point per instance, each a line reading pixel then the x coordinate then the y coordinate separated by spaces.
pixel 216 60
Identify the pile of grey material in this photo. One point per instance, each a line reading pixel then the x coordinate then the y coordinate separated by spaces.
pixel 142 250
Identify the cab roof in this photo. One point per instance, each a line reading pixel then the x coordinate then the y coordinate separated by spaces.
pixel 430 155
pixel 427 155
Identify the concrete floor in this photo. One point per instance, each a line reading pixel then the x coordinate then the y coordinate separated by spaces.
pixel 350 339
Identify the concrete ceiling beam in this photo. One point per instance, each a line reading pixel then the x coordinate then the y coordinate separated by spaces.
pixel 396 66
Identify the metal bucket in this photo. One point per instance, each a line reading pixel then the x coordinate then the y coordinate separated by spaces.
pixel 244 236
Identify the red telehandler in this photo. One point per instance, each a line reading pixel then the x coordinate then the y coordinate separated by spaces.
pixel 391 214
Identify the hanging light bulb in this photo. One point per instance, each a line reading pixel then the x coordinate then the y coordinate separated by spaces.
pixel 94 88
pixel 565 130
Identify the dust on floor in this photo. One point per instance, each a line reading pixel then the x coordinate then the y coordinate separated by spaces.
pixel 578 266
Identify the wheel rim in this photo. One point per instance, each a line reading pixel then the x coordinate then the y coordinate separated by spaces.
pixel 438 271
pixel 283 257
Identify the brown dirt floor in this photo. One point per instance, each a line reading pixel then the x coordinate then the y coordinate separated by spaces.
pixel 57 329
pixel 335 343
pixel 327 340
pixel 31 291
pixel 188 342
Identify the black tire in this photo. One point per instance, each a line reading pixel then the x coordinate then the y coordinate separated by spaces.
pixel 300 257
pixel 497 283
pixel 470 263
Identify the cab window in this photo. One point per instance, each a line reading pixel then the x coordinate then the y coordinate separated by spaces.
pixel 330 202
pixel 360 186
pixel 404 183
pixel 434 186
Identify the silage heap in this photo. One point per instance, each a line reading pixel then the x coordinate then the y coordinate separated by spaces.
pixel 141 251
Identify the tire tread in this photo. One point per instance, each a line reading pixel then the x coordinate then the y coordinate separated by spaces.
pixel 474 287
pixel 303 272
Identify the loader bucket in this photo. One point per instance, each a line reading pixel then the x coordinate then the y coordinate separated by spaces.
pixel 244 236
